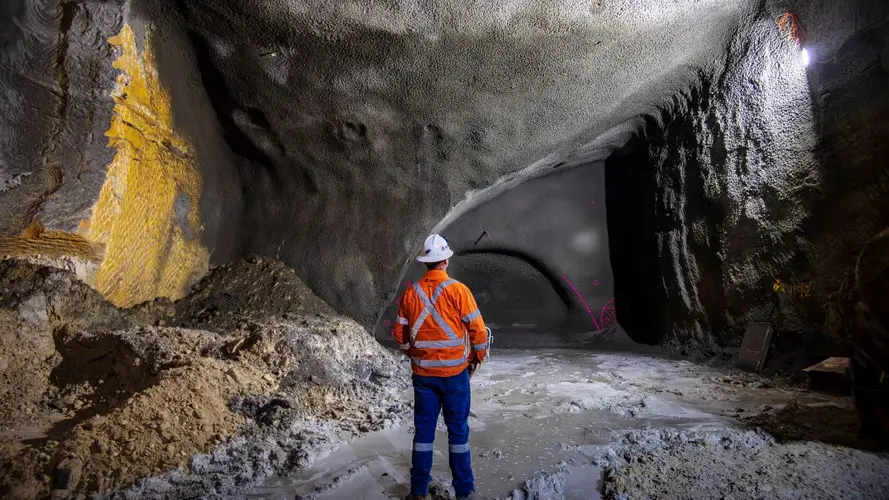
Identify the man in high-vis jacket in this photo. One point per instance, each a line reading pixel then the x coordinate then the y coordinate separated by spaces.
pixel 440 328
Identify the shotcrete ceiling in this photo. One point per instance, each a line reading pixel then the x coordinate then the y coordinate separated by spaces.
pixel 363 124
pixel 333 135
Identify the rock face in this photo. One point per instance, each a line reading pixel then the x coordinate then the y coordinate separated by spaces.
pixel 334 136
pixel 735 205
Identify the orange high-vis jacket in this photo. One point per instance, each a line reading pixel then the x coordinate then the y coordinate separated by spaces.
pixel 440 327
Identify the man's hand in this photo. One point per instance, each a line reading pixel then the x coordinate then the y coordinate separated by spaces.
pixel 473 366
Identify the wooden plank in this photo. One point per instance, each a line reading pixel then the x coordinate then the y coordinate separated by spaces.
pixel 834 365
pixel 755 346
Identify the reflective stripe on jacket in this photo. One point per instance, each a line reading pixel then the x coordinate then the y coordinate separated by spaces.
pixel 439 326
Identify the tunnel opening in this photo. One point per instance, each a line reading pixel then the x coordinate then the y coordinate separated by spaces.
pixel 535 252
pixel 500 279
pixel 639 297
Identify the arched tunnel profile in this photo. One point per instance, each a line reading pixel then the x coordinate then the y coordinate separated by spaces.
pixel 526 250
pixel 669 224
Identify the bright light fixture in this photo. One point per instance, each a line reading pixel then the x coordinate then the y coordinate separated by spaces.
pixel 805 56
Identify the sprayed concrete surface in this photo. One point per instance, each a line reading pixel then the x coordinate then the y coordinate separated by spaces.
pixel 334 136
pixel 546 425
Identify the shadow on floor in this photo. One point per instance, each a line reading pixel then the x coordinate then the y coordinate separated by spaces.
pixel 828 424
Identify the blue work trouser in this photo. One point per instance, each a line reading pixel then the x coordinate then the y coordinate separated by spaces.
pixel 449 395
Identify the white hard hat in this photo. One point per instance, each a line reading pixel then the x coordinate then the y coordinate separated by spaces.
pixel 435 249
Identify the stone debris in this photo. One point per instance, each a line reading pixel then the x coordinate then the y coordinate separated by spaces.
pixel 726 462
pixel 174 412
pixel 542 486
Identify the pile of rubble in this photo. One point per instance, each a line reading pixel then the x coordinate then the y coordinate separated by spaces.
pixel 248 376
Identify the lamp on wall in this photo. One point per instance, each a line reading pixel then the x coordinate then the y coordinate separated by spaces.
pixel 795 32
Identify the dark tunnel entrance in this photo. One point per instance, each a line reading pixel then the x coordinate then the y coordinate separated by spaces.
pixel 497 274
pixel 639 295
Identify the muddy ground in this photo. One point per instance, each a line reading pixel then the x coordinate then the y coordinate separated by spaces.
pixel 565 424
pixel 93 397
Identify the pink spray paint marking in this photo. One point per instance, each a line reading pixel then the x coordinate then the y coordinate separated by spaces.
pixel 606 316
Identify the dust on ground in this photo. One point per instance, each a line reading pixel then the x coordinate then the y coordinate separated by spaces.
pixel 575 425
pixel 95 397
pixel 726 462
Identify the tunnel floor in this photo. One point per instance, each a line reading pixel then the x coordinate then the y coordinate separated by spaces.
pixel 547 423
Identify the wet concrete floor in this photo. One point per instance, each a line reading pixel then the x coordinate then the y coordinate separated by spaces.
pixel 529 407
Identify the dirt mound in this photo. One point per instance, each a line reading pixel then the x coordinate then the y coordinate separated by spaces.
pixel 112 398
pixel 229 295
pixel 722 462
pixel 141 402
pixel 47 297
pixel 34 302
pixel 336 383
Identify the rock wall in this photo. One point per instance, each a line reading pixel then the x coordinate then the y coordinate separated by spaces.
pixel 92 150
pixel 55 80
pixel 756 187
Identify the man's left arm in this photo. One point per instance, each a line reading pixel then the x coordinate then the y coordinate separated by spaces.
pixel 475 327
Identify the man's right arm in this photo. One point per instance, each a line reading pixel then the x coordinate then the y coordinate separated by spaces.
pixel 402 331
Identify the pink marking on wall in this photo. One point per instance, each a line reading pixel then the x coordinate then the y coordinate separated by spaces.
pixel 606 317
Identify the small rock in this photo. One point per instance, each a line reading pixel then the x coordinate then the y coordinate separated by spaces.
pixel 268 378
pixel 235 376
